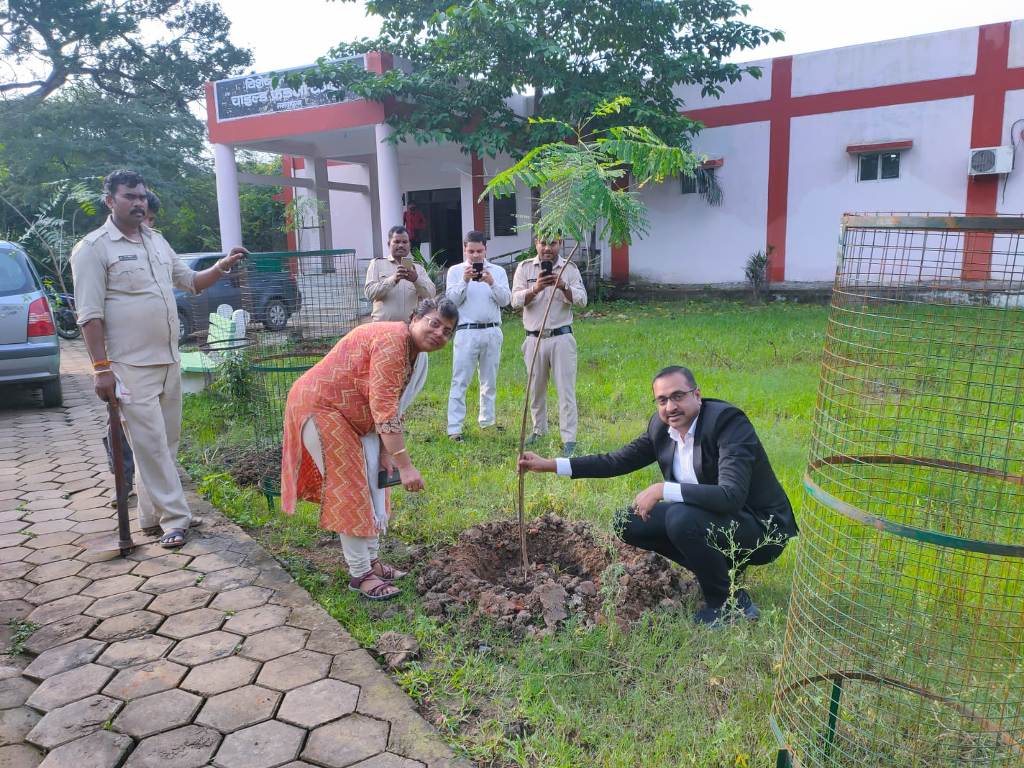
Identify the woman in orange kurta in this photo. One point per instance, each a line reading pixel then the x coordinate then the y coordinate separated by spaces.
pixel 343 420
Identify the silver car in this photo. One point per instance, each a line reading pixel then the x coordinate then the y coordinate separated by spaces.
pixel 29 353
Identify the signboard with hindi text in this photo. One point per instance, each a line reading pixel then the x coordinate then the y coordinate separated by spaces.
pixel 253 95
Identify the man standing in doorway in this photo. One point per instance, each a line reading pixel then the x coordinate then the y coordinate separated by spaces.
pixel 479 289
pixel 396 284
pixel 416 224
pixel 125 274
pixel 534 282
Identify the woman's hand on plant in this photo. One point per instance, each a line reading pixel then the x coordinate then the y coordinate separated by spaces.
pixel 647 498
pixel 412 480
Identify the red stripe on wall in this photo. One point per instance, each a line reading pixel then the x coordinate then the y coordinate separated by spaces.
pixel 288 167
pixel 620 253
pixel 778 168
pixel 477 175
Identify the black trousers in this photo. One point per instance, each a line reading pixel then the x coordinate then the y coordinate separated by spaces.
pixel 683 533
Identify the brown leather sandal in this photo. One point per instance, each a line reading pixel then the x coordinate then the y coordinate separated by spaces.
pixel 386 572
pixel 381 590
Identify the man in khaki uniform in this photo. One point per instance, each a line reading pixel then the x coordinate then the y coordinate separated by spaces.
pixel 534 282
pixel 125 274
pixel 394 289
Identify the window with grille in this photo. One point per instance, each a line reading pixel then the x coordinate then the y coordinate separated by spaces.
pixel 878 166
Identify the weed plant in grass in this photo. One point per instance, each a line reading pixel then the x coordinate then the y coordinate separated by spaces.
pixel 665 693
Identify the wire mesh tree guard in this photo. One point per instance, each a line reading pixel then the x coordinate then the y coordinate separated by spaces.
pixel 905 637
pixel 320 293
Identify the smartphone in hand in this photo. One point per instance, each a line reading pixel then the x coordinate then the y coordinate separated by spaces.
pixel 384 480
pixel 478 270
pixel 547 268
pixel 409 263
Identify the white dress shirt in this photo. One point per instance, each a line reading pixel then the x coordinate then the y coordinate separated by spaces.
pixel 477 301
pixel 682 464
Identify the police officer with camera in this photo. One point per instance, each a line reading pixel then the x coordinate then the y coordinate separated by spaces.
pixel 534 282
pixel 479 289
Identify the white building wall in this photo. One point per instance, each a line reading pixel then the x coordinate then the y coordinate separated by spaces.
pixel 906 60
pixel 350 211
pixel 1011 197
pixel 748 89
pixel 1016 58
pixel 690 242
pixel 823 177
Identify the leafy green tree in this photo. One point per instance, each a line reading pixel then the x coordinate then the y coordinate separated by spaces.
pixel 112 47
pixel 469 58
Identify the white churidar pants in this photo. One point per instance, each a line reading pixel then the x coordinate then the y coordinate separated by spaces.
pixel 473 349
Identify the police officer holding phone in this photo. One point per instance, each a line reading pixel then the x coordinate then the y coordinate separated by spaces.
pixel 396 284
pixel 534 282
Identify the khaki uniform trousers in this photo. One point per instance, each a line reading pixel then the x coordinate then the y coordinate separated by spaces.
pixel 152 419
pixel 557 360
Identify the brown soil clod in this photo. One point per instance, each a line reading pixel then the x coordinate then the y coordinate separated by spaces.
pixel 568 571
pixel 253 466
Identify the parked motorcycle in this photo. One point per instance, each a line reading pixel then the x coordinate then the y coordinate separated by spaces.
pixel 64 314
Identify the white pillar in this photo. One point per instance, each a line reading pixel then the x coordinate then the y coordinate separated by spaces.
pixel 323 203
pixel 229 211
pixel 389 189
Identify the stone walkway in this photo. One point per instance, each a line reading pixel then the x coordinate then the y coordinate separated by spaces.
pixel 211 655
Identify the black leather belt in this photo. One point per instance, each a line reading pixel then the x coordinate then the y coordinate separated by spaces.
pixel 475 326
pixel 553 332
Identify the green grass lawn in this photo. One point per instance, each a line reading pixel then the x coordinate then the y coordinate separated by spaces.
pixel 667 693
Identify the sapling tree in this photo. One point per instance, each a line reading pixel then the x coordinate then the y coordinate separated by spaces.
pixel 588 180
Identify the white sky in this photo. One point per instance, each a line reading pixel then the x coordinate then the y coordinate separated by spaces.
pixel 311 27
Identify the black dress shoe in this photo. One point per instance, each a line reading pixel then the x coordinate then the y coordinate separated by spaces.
pixel 721 615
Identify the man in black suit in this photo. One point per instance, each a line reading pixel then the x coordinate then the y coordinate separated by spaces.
pixel 718 484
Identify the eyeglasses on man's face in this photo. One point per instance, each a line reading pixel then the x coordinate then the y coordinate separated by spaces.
pixel 676 397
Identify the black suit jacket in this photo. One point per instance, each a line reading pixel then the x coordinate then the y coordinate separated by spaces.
pixel 732 468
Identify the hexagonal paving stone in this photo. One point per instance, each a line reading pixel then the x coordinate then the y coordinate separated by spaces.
pixel 52 540
pixel 55 570
pixel 157 713
pixel 15 589
pixel 294 670
pixel 203 648
pixel 389 760
pixel 14 691
pixel 14 526
pixel 139 650
pixel 346 741
pixel 14 610
pixel 254 620
pixel 221 675
pixel 63 658
pixel 14 570
pixel 59 632
pixel 168 582
pixel 108 569
pixel 69 686
pixel 260 746
pixel 13 540
pixel 272 643
pixel 50 526
pixel 216 561
pixel 16 723
pixel 11 554
pixel 241 599
pixel 145 679
pixel 231 578
pixel 55 590
pixel 126 626
pixel 192 623
pixel 113 586
pixel 201 543
pixel 146 551
pixel 319 703
pixel 154 566
pixel 71 605
pixel 100 749
pixel 115 605
pixel 239 708
pixel 180 600
pixel 19 756
pixel 188 747
pixel 73 721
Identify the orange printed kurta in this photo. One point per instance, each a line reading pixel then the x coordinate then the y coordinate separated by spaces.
pixel 353 391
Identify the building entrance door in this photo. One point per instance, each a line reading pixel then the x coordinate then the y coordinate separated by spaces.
pixel 443 210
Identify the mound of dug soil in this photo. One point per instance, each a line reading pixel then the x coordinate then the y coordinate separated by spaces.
pixel 570 572
pixel 252 466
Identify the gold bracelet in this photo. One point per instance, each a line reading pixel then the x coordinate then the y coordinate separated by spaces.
pixel 396 453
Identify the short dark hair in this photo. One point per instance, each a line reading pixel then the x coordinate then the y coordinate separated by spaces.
pixel 122 177
pixel 444 307
pixel 475 236
pixel 152 202
pixel 551 238
pixel 398 229
pixel 670 369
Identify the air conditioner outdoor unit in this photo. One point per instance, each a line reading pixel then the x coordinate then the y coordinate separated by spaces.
pixel 986 160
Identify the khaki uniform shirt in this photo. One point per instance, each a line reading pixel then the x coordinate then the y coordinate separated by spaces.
pixel 561 309
pixel 130 287
pixel 395 299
